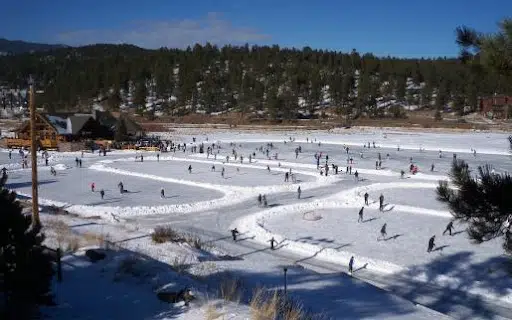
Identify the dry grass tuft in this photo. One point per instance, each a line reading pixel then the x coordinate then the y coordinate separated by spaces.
pixel 270 306
pixel 212 313
pixel 93 238
pixel 69 241
pixel 230 288
pixel 180 264
pixel 165 234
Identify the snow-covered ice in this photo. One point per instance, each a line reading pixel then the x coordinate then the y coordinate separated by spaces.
pixel 319 231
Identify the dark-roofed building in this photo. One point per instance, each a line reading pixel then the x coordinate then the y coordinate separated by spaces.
pixel 133 129
pixel 106 119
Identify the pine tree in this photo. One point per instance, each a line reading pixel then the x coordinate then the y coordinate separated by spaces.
pixel 121 132
pixel 25 268
pixel 483 202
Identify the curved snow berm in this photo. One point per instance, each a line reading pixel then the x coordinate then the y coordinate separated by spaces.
pixel 219 162
pixel 232 195
pixel 254 225
pixel 240 193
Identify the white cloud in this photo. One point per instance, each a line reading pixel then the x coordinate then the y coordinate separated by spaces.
pixel 177 34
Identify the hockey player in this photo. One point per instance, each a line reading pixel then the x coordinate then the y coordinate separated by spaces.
pixel 431 244
pixel 449 228
pixel 366 195
pixel 381 202
pixel 361 213
pixel 234 233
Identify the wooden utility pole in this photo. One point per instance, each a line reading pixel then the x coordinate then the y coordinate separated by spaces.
pixel 36 223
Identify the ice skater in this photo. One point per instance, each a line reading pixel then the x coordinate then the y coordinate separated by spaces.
pixel 93 186
pixel 366 195
pixel 234 233
pixel 432 167
pixel 383 232
pixel 102 194
pixel 351 265
pixel 162 193
pixel 299 191
pixel 121 187
pixel 213 168
pixel 381 202
pixel 431 243
pixel 361 213
pixel 222 172
pixel 189 168
pixel 260 199
pixel 53 171
pixel 273 242
pixel 356 176
pixel 449 228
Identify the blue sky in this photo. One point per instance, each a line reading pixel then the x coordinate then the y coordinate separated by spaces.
pixel 395 27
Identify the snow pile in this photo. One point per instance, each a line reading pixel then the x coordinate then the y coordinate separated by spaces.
pixel 61 166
